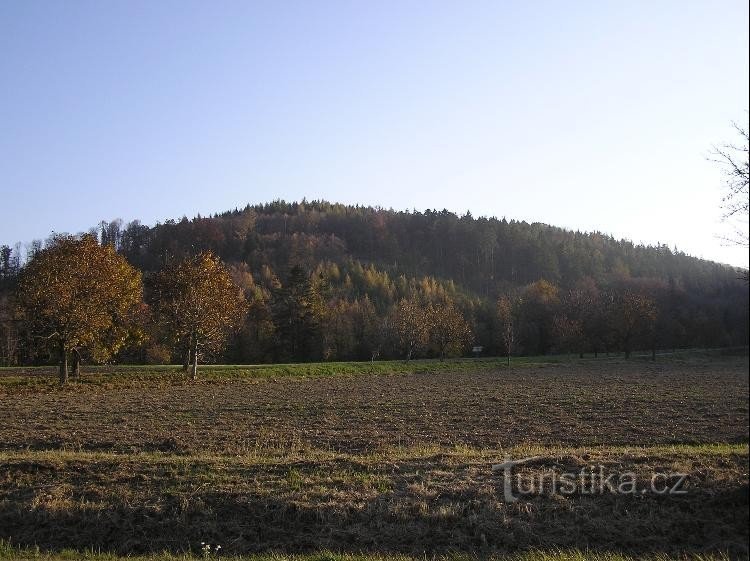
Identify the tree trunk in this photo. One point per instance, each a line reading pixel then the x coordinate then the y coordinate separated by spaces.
pixel 186 358
pixel 508 359
pixel 580 355
pixel 63 365
pixel 195 359
pixel 76 367
pixel 653 352
pixel 627 353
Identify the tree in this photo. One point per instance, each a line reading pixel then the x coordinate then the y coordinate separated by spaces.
pixel 449 331
pixel 338 335
pixel 372 258
pixel 255 340
pixel 368 328
pixel 735 166
pixel 199 304
pixel 582 325
pixel 6 264
pixel 507 310
pixel 631 315
pixel 297 312
pixel 76 294
pixel 410 326
pixel 9 335
pixel 569 334
pixel 538 307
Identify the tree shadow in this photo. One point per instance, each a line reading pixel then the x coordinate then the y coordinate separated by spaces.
pixel 252 523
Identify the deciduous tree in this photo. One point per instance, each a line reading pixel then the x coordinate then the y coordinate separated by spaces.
pixel 585 326
pixel 76 294
pixel 449 330
pixel 9 335
pixel 198 302
pixel 538 307
pixel 507 312
pixel 410 326
pixel 630 315
pixel 735 166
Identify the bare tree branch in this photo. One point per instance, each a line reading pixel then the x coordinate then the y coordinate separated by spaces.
pixel 735 166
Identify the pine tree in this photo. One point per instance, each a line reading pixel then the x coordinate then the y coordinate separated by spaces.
pixel 297 313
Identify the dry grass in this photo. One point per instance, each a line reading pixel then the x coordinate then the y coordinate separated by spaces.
pixel 7 551
pixel 410 501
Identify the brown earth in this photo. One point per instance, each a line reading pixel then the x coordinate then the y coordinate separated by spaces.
pixel 393 464
pixel 577 404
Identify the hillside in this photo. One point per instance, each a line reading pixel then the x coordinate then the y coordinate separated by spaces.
pixel 484 255
pixel 362 260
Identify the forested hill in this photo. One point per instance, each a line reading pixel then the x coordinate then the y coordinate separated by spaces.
pixel 354 253
pixel 481 255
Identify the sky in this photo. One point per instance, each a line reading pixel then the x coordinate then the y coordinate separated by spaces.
pixel 592 115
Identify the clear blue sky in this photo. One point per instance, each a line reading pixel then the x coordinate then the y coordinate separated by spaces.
pixel 589 115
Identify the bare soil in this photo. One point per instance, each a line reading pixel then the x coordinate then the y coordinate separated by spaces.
pixel 379 463
pixel 574 404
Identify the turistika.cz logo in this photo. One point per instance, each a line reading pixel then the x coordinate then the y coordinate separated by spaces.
pixel 589 480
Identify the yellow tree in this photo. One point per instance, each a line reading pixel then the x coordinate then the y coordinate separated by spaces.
pixel 76 295
pixel 199 304
pixel 449 331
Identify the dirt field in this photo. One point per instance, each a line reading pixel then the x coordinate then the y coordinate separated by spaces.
pixel 378 463
pixel 576 404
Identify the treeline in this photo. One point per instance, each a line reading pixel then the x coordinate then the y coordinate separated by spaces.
pixel 325 281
